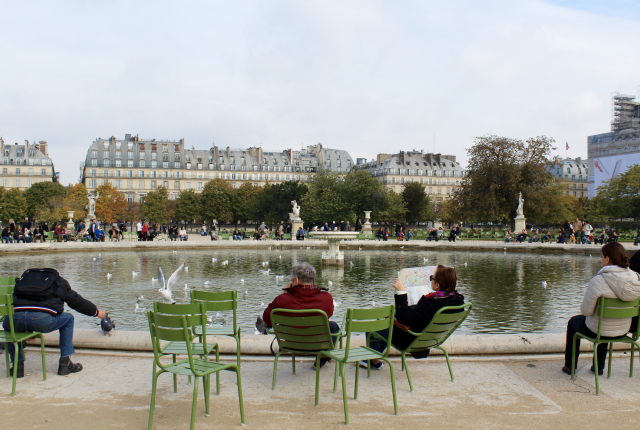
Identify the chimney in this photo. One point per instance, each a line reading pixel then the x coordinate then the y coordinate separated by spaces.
pixel 43 147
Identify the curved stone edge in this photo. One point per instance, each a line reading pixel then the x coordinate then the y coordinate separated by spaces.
pixel 525 343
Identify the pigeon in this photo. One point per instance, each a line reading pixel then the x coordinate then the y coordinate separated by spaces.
pixel 207 282
pixel 246 294
pixel 139 309
pixel 261 327
pixel 544 284
pixel 167 286
pixel 336 304
pixel 265 272
pixel 109 275
pixel 134 273
pixel 329 283
pixel 107 325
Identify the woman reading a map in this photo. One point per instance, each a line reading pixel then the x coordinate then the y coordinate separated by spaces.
pixel 416 318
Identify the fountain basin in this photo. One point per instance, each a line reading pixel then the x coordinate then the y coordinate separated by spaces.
pixel 334 257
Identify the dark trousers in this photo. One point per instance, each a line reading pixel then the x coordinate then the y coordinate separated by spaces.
pixel 380 345
pixel 577 324
pixel 334 328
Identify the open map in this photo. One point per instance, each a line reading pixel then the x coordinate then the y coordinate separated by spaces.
pixel 416 282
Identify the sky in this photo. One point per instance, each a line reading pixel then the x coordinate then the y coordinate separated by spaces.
pixel 365 76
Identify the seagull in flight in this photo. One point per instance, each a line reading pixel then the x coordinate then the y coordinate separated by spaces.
pixel 167 286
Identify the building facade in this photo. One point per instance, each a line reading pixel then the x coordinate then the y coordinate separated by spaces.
pixel 439 174
pixel 137 166
pixel 572 173
pixel 612 153
pixel 24 165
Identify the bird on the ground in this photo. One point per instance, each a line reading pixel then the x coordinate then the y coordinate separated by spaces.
pixel 261 327
pixel 544 284
pixel 134 273
pixel 167 286
pixel 336 304
pixel 109 275
pixel 139 309
pixel 329 283
pixel 245 295
pixel 107 325
pixel 265 272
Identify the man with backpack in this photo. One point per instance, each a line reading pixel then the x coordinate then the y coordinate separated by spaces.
pixel 38 303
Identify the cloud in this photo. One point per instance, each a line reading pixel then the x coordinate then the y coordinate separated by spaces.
pixel 366 76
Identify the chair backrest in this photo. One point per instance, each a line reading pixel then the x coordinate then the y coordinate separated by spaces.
pixel 6 310
pixel 218 301
pixel 443 324
pixel 302 330
pixel 195 313
pixel 368 320
pixel 10 280
pixel 616 308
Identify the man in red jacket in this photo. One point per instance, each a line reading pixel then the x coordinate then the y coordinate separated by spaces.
pixel 302 293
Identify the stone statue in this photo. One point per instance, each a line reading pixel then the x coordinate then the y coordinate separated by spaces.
pixel 520 210
pixel 91 207
pixel 296 210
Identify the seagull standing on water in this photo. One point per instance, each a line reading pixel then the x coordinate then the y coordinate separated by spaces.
pixel 544 284
pixel 167 286
pixel 134 273
pixel 109 275
pixel 265 272
pixel 139 309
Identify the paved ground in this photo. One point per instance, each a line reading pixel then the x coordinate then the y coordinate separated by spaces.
pixel 516 392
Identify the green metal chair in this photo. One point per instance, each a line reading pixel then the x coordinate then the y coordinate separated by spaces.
pixel 177 328
pixel 216 302
pixel 180 348
pixel 443 324
pixel 16 338
pixel 301 332
pixel 359 321
pixel 610 308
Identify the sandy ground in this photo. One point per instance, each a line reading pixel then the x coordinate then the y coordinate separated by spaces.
pixel 113 392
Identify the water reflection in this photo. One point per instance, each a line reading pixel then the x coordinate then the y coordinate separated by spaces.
pixel 506 288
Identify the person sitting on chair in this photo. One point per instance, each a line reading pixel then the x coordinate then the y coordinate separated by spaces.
pixel 614 281
pixel 302 293
pixel 46 316
pixel 417 318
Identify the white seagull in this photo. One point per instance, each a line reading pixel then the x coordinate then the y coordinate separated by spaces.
pixel 265 263
pixel 186 268
pixel 425 259
pixel 262 305
pixel 139 309
pixel 154 279
pixel 186 287
pixel 465 264
pixel 109 275
pixel 167 286
pixel 99 254
pixel 134 273
pixel 141 298
pixel 246 294
pixel 336 304
pixel 207 282
pixel 279 277
pixel 265 272
pixel 329 283
pixel 95 259
pixel 225 263
pixel 544 284
pixel 242 280
pixel 213 260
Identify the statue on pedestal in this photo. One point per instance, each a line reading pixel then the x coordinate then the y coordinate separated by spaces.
pixel 520 221
pixel 520 210
pixel 295 215
pixel 91 207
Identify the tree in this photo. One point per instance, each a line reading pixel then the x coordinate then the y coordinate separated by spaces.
pixel 620 197
pixel 111 203
pixel 14 205
pixel 155 205
pixel 76 200
pixel 40 193
pixel 132 212
pixel 364 193
pixel 244 202
pixel 216 201
pixel 274 201
pixel 499 168
pixel 188 205
pixel 396 209
pixel 447 211
pixel 326 200
pixel 417 202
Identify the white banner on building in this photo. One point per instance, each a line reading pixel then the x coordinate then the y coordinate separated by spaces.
pixel 605 168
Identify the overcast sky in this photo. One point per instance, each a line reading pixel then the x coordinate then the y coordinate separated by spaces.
pixel 365 76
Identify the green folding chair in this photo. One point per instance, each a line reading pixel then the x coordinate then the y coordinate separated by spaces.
pixel 359 321
pixel 301 332
pixel 443 324
pixel 177 328
pixel 180 348
pixel 16 338
pixel 610 308
pixel 216 302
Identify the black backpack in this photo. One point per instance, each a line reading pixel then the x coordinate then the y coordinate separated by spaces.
pixel 37 285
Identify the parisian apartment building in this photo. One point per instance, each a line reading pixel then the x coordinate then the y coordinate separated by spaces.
pixel 136 166
pixel 25 164
pixel 572 174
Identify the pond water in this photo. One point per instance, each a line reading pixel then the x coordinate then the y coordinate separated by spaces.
pixel 505 288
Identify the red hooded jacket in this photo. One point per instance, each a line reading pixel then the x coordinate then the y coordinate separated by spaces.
pixel 300 297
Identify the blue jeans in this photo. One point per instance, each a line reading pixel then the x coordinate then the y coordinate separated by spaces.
pixel 380 345
pixel 44 323
pixel 7 239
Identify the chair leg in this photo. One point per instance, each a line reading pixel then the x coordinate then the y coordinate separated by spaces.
pixel 446 355
pixel 610 356
pixel 152 406
pixel 217 373
pixel 406 368
pixel 206 386
pixel 275 370
pixel 573 358
pixel 175 377
pixel 318 377
pixel 293 362
pixel 633 345
pixel 344 392
pixel 393 386
pixel 16 356
pixel 194 402
pixel 355 390
pixel 239 382
pixel 6 357
pixel 335 378
pixel 595 364
pixel 44 360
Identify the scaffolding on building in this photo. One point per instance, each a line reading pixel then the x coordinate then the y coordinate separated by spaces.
pixel 625 112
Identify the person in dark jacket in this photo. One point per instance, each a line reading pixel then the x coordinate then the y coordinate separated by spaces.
pixel 48 316
pixel 418 317
pixel 302 293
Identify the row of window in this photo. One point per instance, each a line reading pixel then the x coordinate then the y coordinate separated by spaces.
pixel 197 175
pixel 575 193
pixel 141 184
pixel 419 172
pixel 24 162
pixel 430 181
pixel 141 146
pixel 18 171
pixel 17 183
pixel 428 190
pixel 612 151
pixel 154 164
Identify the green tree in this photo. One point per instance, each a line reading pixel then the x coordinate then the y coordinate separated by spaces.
pixel 154 206
pixel 132 212
pixel 76 200
pixel 40 194
pixel 396 209
pixel 110 203
pixel 363 192
pixel 499 168
pixel 620 197
pixel 244 202
pixel 14 205
pixel 216 201
pixel 417 202
pixel 188 206
pixel 326 200
pixel 274 201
